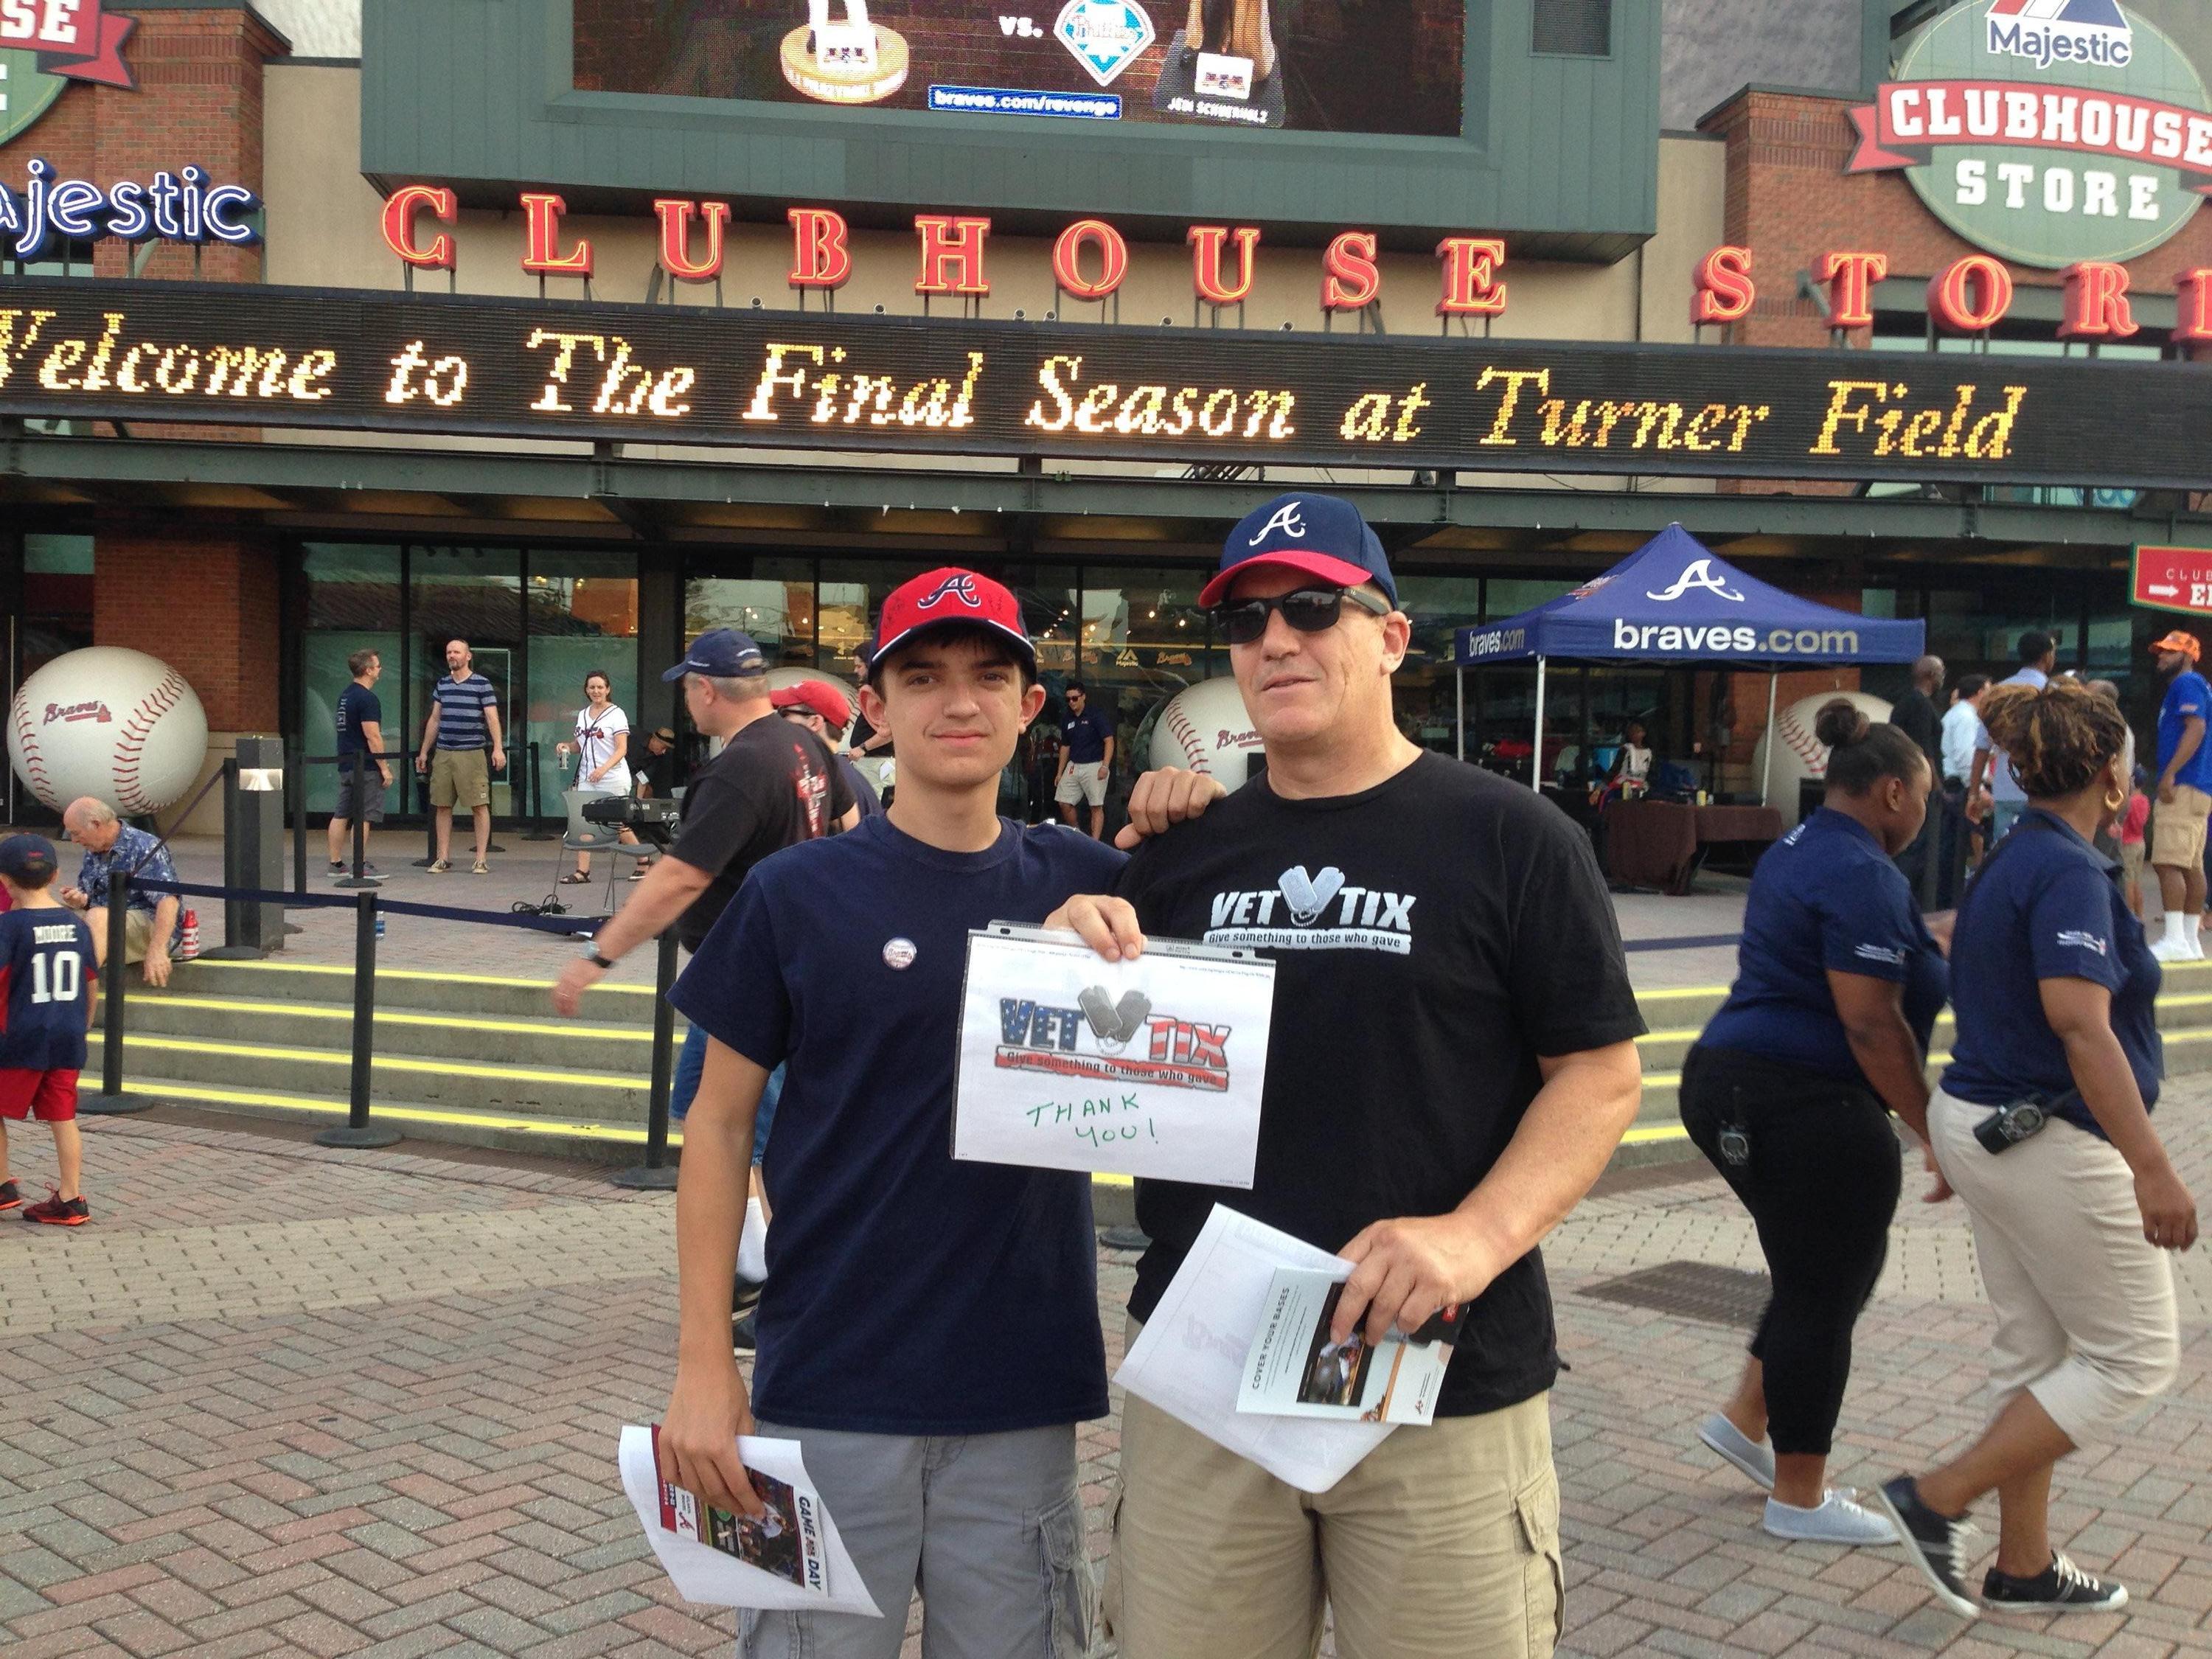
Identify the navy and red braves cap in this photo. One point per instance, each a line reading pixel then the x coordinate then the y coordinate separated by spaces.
pixel 816 698
pixel 28 858
pixel 1322 536
pixel 720 654
pixel 951 598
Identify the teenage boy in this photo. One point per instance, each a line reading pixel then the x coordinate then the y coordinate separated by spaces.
pixel 45 1007
pixel 929 1333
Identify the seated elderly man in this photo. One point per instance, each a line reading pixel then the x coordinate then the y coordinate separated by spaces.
pixel 112 846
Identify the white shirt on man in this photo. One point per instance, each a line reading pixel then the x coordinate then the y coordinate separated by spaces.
pixel 596 731
pixel 1962 735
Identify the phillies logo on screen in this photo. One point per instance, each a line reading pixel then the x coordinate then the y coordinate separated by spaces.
pixel 1111 1042
pixel 1106 36
pixel 960 588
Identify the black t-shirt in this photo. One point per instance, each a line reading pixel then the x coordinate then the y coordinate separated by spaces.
pixel 772 787
pixel 357 706
pixel 1916 716
pixel 659 772
pixel 1432 936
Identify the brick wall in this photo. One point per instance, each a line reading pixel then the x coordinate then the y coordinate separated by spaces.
pixel 204 603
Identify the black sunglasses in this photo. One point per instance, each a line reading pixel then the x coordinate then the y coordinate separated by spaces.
pixel 1309 609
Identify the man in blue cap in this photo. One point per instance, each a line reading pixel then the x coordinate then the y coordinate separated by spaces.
pixel 773 786
pixel 1450 1066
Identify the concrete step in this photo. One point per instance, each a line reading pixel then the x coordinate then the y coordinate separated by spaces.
pixel 539 1044
pixel 405 989
pixel 617 1097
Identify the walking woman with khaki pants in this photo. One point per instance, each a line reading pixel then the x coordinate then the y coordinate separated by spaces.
pixel 2042 1128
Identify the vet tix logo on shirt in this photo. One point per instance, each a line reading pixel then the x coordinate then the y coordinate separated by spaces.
pixel 1314 911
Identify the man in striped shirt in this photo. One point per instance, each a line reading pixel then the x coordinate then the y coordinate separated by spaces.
pixel 463 728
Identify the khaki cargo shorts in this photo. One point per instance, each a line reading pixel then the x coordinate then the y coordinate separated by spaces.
pixel 460 777
pixel 2177 828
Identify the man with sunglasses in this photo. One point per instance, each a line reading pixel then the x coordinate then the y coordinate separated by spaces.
pixel 1451 1064
pixel 1086 760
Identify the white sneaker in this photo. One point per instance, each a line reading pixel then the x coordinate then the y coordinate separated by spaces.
pixel 2173 949
pixel 1755 1458
pixel 1838 1520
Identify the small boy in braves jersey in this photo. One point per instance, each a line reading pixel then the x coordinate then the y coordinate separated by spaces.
pixel 46 978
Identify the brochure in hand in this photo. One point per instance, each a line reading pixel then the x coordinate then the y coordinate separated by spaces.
pixel 1294 1370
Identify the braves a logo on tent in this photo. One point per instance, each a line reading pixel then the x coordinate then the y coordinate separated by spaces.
pixel 960 588
pixel 2063 30
pixel 1698 573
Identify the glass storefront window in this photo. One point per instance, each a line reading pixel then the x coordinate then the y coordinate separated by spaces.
pixel 1425 691
pixel 1143 639
pixel 352 605
pixel 57 576
pixel 582 611
pixel 852 591
pixel 1051 601
pixel 471 593
pixel 774 604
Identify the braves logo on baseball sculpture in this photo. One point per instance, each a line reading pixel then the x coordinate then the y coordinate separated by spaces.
pixel 111 723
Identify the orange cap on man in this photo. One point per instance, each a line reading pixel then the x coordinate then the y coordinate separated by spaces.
pixel 2178 641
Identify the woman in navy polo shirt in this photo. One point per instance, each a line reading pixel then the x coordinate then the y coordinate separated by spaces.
pixel 2043 1127
pixel 1788 1092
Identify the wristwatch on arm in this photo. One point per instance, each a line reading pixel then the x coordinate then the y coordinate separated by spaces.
pixel 592 954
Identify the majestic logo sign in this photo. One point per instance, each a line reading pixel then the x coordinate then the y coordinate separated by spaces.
pixel 2048 131
pixel 1106 36
pixel 2061 31
pixel 191 208
pixel 1698 573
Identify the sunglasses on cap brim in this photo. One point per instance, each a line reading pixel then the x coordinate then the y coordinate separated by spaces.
pixel 1308 609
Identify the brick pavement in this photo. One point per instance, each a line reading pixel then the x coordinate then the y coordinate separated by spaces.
pixel 281 1400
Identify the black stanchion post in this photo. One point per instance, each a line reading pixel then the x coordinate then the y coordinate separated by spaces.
pixel 537 829
pixel 295 787
pixel 359 876
pixel 112 1100
pixel 429 818
pixel 358 1131
pixel 656 1172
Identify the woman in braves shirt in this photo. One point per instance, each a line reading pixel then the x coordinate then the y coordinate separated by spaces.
pixel 602 749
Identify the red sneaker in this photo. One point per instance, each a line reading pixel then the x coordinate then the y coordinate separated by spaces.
pixel 55 1211
pixel 9 1198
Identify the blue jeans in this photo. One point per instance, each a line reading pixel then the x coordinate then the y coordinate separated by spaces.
pixel 684 1088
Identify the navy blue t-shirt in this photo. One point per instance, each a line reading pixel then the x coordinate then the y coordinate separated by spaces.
pixel 45 974
pixel 1084 736
pixel 1824 897
pixel 357 705
pixel 2046 905
pixel 906 1293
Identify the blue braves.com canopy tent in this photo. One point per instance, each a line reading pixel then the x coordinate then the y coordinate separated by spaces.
pixel 1675 602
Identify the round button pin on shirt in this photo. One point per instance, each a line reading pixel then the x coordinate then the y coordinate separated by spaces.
pixel 899 953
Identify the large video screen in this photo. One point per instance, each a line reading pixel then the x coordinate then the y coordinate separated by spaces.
pixel 1379 66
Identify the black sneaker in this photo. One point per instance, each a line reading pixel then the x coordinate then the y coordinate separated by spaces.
pixel 1935 1543
pixel 744 1338
pixel 2062 1587
pixel 11 1199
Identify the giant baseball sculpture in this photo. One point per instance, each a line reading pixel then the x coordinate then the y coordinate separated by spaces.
pixel 1800 754
pixel 116 725
pixel 1204 728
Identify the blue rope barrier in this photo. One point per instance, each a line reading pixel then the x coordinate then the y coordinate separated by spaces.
pixel 1697 942
pixel 397 907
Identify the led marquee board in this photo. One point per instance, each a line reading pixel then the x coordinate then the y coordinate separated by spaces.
pixel 520 368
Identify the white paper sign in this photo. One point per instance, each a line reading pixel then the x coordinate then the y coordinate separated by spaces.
pixel 1154 1067
pixel 1191 1357
pixel 791 1559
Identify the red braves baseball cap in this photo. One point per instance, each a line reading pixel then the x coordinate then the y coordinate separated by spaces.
pixel 947 598
pixel 816 697
pixel 1321 535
